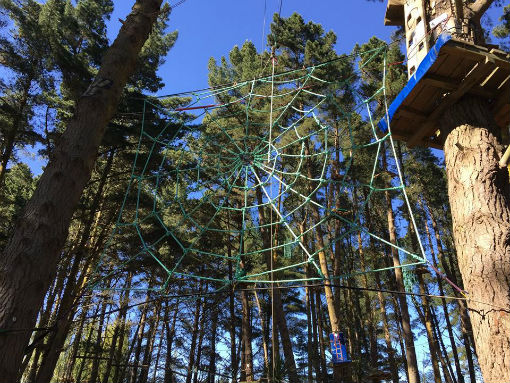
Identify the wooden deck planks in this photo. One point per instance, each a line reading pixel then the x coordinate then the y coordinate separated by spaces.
pixel 461 68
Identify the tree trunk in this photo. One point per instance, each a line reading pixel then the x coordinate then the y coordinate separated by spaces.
pixel 283 330
pixel 279 315
pixel 319 374
pixel 156 362
pixel 443 354
pixel 46 315
pixel 247 337
pixel 63 323
pixel 67 306
pixel 194 338
pixel 117 332
pixel 7 153
pixel 136 343
pixel 387 334
pixel 412 363
pixel 449 326
pixel 309 343
pixel 263 325
pixel 30 257
pixel 149 346
pixel 211 373
pixel 97 345
pixel 467 331
pixel 478 190
pixel 433 347
pixel 170 335
pixel 201 331
pixel 232 324
pixel 88 342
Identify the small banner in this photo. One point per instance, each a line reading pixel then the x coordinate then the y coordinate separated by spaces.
pixel 338 350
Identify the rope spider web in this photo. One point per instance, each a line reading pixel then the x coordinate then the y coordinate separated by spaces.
pixel 276 170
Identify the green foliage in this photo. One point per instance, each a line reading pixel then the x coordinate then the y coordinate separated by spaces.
pixel 502 30
pixel 18 188
pixel 349 181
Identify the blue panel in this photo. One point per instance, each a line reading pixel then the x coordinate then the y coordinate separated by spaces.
pixel 422 70
pixel 338 349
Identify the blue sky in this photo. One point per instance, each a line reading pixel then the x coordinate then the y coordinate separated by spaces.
pixel 211 28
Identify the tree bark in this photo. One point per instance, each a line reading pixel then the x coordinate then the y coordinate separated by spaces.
pixel 478 190
pixel 30 258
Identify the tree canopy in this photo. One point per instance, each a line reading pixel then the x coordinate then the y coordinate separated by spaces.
pixel 224 234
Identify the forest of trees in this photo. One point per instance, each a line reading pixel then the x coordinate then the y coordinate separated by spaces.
pixel 58 69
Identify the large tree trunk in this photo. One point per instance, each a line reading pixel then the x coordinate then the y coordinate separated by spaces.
pixel 478 190
pixel 30 258
pixel 67 308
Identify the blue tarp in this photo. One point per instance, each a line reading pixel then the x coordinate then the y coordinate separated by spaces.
pixel 422 70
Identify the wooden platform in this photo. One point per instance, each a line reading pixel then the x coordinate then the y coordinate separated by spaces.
pixel 455 68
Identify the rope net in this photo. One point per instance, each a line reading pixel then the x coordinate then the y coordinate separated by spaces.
pixel 251 182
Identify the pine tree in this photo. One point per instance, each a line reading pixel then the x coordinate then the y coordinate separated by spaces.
pixel 38 239
pixel 23 55
pixel 478 190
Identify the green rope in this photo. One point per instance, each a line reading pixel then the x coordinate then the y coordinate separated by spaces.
pixel 266 146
